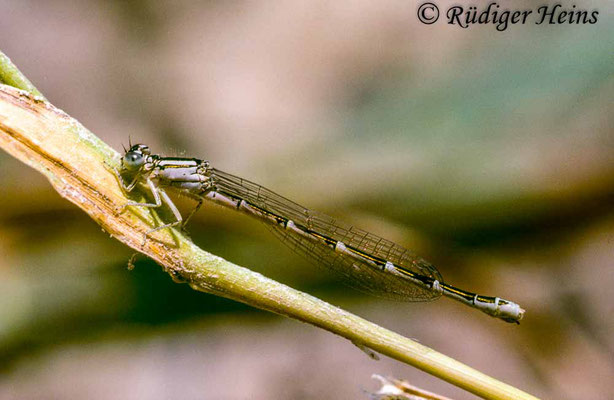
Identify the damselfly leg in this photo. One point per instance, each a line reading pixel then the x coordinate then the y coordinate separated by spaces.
pixel 160 198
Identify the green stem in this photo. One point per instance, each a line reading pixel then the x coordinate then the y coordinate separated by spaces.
pixel 10 75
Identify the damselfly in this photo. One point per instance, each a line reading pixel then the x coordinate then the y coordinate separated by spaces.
pixel 367 261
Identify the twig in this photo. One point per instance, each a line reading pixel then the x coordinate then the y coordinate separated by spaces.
pixel 73 160
pixel 397 389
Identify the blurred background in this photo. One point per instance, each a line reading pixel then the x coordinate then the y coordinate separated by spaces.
pixel 489 153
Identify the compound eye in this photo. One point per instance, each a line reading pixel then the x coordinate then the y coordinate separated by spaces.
pixel 133 160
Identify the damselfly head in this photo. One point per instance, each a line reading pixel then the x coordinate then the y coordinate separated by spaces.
pixel 135 157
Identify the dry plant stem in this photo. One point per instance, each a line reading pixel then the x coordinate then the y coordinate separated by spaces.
pixel 399 389
pixel 73 160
